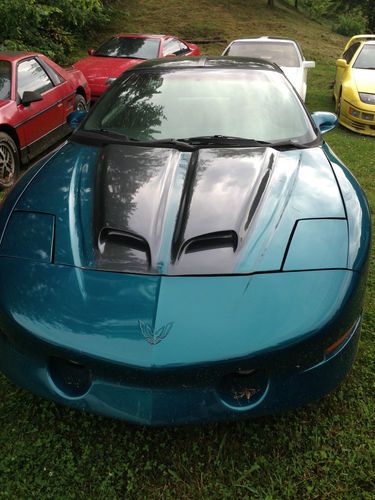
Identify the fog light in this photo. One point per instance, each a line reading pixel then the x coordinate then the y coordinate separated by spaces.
pixel 367 116
pixel 73 379
pixel 354 112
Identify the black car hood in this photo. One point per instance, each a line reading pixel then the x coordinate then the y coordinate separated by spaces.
pixel 161 211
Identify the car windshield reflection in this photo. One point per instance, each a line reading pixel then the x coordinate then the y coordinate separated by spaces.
pixel 157 105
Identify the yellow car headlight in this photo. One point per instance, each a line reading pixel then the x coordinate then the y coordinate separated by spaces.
pixel 367 98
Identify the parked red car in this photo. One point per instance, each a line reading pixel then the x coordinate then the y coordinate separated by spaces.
pixel 36 95
pixel 123 51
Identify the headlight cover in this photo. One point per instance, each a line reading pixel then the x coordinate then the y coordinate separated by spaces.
pixel 318 244
pixel 367 98
pixel 29 235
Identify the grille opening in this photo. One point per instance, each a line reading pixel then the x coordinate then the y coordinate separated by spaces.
pixel 71 378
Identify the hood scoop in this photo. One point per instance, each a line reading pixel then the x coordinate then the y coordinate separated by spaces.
pixel 211 241
pixel 160 211
pixel 118 248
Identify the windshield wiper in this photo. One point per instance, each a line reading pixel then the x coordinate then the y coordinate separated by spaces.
pixel 168 142
pixel 289 144
pixel 193 143
pixel 223 140
pixel 241 141
pixel 110 133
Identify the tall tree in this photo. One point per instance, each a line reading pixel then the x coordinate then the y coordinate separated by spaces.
pixel 270 3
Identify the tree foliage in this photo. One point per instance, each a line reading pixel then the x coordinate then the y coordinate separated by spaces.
pixel 349 16
pixel 50 26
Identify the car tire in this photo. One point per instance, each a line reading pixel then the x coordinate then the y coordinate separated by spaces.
pixel 80 103
pixel 9 161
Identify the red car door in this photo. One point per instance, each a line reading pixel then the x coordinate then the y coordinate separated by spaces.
pixel 39 121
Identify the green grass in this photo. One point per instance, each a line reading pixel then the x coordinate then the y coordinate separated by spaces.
pixel 323 451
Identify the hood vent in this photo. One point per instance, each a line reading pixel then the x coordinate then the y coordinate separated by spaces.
pixel 117 247
pixel 210 241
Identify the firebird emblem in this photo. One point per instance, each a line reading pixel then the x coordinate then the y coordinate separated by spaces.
pixel 154 337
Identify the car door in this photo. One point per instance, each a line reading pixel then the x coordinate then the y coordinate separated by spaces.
pixel 64 88
pixel 41 120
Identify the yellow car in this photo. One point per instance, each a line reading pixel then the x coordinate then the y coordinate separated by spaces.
pixel 354 89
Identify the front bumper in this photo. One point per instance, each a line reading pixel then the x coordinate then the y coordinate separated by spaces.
pixel 355 120
pixel 239 346
pixel 156 398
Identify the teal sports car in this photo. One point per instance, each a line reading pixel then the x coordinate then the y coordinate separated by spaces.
pixel 194 252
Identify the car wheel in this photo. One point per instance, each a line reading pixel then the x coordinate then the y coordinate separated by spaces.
pixel 80 103
pixel 9 161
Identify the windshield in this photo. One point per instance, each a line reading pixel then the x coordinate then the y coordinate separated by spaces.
pixel 281 53
pixel 251 103
pixel 5 79
pixel 134 47
pixel 366 58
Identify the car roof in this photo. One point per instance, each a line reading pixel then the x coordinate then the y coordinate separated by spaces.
pixel 269 39
pixel 139 35
pixel 207 62
pixel 15 55
pixel 265 39
pixel 364 39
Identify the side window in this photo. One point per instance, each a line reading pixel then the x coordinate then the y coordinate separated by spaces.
pixel 348 54
pixel 172 46
pixel 183 48
pixel 5 79
pixel 32 77
pixel 55 77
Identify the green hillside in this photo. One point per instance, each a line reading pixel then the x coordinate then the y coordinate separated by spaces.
pixel 224 19
pixel 323 451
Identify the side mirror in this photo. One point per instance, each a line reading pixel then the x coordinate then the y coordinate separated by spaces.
pixel 91 52
pixel 309 64
pixel 341 63
pixel 324 120
pixel 75 118
pixel 30 96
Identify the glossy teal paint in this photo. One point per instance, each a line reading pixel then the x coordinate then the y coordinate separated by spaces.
pixel 149 399
pixel 75 118
pixel 29 235
pixel 65 188
pixel 100 315
pixel 357 212
pixel 294 191
pixel 324 120
pixel 278 321
pixel 318 244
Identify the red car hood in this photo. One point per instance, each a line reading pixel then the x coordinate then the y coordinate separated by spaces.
pixel 96 69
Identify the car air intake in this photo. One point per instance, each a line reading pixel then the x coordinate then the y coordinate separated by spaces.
pixel 210 241
pixel 115 245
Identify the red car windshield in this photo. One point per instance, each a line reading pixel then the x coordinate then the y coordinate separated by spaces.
pixel 5 79
pixel 131 47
